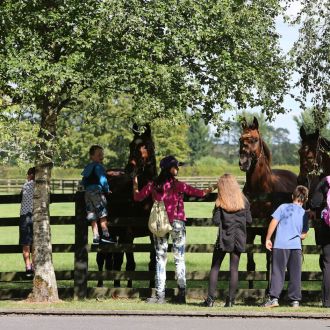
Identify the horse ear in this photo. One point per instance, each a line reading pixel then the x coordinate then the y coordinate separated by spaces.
pixel 135 128
pixel 302 133
pixel 255 123
pixel 147 131
pixel 244 123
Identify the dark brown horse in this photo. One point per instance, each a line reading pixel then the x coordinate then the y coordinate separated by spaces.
pixel 314 159
pixel 265 188
pixel 141 162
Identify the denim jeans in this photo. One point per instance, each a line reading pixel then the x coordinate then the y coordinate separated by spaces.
pixel 178 234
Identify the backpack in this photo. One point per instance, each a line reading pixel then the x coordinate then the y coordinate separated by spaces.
pixel 325 214
pixel 159 223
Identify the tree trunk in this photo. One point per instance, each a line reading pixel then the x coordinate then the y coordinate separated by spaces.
pixel 44 282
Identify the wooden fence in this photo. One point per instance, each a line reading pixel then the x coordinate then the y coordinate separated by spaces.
pixel 81 276
pixel 71 186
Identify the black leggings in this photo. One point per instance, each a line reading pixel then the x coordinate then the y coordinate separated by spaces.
pixel 217 259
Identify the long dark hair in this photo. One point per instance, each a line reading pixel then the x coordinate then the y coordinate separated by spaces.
pixel 164 175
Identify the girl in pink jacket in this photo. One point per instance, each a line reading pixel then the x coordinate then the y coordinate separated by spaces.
pixel 168 189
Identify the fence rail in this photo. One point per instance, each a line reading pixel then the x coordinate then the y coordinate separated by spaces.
pixel 70 186
pixel 82 277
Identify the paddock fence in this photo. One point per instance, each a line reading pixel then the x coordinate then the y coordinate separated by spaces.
pixel 71 186
pixel 81 277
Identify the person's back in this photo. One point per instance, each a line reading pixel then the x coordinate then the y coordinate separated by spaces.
pixel 291 224
pixel 292 221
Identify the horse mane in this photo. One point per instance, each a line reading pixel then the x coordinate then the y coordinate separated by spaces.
pixel 267 152
pixel 325 143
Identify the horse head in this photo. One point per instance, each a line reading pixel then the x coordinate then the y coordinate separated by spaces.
pixel 251 147
pixel 314 159
pixel 309 155
pixel 142 159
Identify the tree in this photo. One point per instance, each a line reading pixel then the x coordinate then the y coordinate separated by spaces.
pixel 311 58
pixel 307 119
pixel 199 140
pixel 166 55
pixel 109 123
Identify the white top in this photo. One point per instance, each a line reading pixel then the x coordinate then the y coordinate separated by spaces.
pixel 27 197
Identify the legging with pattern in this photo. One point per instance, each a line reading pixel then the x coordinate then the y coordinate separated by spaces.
pixel 178 234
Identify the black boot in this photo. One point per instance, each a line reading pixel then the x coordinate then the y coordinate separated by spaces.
pixel 180 298
pixel 208 302
pixel 229 302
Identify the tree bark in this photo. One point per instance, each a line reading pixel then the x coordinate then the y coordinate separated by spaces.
pixel 44 282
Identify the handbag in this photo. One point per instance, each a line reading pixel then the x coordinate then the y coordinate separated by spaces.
pixel 159 223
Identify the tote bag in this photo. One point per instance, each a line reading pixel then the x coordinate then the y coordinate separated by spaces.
pixel 159 223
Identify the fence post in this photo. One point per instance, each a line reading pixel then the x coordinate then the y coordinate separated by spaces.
pixel 81 248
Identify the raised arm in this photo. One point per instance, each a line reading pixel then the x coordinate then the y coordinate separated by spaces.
pixel 143 193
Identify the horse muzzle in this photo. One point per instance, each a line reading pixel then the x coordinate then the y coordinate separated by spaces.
pixel 244 162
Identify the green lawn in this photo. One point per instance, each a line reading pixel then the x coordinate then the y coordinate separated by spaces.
pixel 194 261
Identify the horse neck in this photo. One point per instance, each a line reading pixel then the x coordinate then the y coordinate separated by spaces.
pixel 259 178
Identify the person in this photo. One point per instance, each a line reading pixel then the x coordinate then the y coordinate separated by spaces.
pixel 26 221
pixel 167 188
pixel 96 186
pixel 291 223
pixel 231 213
pixel 322 237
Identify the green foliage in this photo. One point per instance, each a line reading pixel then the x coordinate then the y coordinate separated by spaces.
pixel 311 58
pixel 307 119
pixel 199 140
pixel 148 49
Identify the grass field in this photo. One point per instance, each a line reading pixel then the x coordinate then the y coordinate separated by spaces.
pixel 195 261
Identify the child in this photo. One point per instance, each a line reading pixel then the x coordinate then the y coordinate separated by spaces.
pixel 96 186
pixel 291 224
pixel 231 213
pixel 25 222
pixel 167 188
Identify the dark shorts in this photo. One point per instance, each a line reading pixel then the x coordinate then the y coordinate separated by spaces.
pixel 96 205
pixel 26 229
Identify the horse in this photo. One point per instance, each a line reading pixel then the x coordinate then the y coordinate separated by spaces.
pixel 261 182
pixel 314 159
pixel 141 162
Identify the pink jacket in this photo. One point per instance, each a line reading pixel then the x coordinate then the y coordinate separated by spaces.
pixel 172 197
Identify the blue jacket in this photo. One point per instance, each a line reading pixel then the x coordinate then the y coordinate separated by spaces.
pixel 94 177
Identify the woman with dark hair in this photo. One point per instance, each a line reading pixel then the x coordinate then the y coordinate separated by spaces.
pixel 168 189
pixel 322 236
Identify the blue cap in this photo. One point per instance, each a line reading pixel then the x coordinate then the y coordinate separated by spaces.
pixel 169 161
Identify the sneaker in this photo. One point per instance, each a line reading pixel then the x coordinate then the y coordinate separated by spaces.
pixel 29 272
pixel 271 302
pixel 108 240
pixel 156 300
pixel 294 303
pixel 96 241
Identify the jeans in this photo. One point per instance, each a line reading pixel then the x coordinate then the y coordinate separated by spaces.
pixel 178 234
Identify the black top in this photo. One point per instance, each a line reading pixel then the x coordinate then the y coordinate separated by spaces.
pixel 232 228
pixel 317 203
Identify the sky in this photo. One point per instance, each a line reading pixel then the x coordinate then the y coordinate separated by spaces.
pixel 289 35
